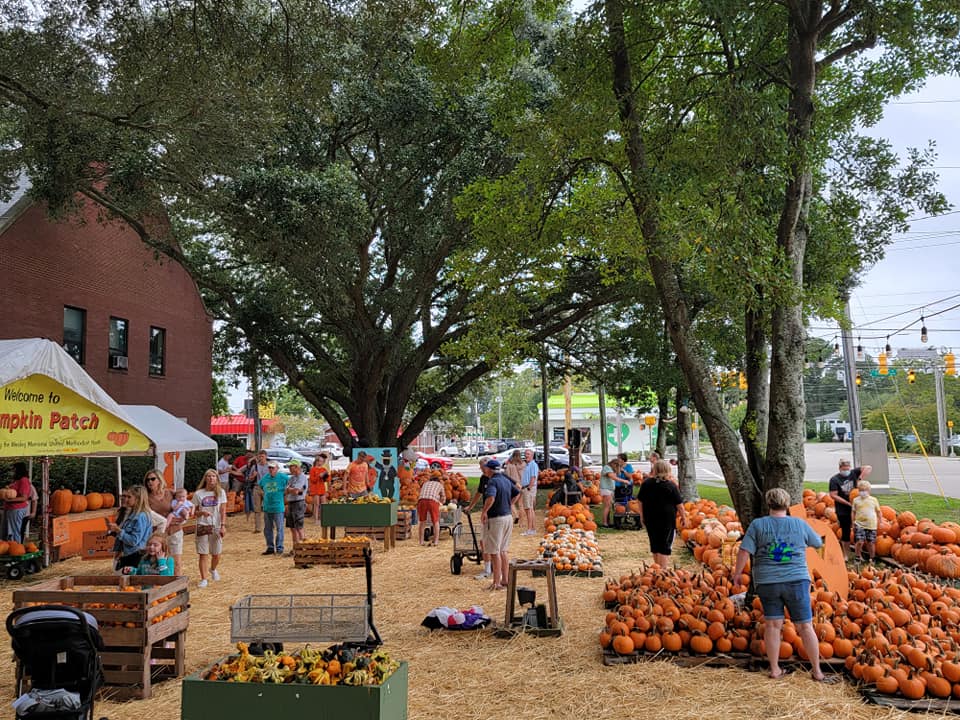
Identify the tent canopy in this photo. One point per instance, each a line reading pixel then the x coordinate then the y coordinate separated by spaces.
pixel 168 433
pixel 50 406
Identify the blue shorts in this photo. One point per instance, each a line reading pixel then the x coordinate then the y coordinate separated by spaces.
pixel 794 595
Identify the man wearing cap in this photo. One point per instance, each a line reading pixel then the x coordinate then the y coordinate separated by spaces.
pixel 840 486
pixel 485 474
pixel 295 498
pixel 498 522
pixel 274 485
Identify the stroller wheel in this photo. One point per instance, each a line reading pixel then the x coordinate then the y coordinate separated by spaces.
pixel 456 564
pixel 14 572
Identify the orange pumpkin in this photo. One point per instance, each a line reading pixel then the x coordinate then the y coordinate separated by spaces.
pixel 16 549
pixel 78 503
pixel 31 547
pixel 94 501
pixel 108 500
pixel 4 548
pixel 61 502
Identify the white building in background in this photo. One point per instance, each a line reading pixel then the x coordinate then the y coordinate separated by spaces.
pixel 633 436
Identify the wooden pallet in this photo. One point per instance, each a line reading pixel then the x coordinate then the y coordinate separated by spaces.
pixel 334 552
pixel 924 705
pixel 377 533
pixel 570 573
pixel 143 631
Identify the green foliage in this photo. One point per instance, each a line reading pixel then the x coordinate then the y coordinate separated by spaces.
pixel 219 404
pixel 825 433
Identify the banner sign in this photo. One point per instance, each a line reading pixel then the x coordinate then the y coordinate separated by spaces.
pixel 39 416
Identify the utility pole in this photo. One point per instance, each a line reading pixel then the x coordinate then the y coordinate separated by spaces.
pixel 941 409
pixel 602 398
pixel 255 394
pixel 850 374
pixel 500 409
pixel 544 398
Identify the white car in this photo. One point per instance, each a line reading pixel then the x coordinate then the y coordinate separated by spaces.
pixel 333 450
pixel 452 451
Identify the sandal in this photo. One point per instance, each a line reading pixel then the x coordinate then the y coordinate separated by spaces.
pixel 827 679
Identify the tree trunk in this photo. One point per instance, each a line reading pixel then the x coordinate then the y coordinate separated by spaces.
pixel 663 408
pixel 686 452
pixel 695 370
pixel 755 423
pixel 785 464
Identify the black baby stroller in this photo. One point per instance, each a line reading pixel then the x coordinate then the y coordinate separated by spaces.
pixel 58 649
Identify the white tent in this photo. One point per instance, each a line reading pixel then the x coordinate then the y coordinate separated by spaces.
pixel 49 406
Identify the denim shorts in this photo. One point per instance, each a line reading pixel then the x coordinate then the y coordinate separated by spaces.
pixel 795 595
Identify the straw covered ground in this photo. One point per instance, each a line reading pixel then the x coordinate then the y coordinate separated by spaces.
pixel 474 675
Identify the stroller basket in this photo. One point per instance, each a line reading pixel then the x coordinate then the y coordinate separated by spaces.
pixel 58 649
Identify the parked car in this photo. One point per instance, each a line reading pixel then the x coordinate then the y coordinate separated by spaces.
pixel 286 455
pixel 452 451
pixel 437 462
pixel 334 450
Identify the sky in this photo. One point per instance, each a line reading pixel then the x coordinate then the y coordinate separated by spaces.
pixel 921 271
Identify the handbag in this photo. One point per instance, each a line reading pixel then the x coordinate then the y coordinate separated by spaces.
pixel 204 530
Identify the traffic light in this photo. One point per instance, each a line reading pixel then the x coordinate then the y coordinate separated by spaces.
pixel 911 376
pixel 882 363
pixel 859 380
pixel 742 384
pixel 951 362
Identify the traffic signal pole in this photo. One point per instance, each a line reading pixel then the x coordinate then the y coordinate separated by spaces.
pixel 941 410
pixel 850 375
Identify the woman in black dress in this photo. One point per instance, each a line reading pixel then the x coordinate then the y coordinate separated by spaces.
pixel 660 504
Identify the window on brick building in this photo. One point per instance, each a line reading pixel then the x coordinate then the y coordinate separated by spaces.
pixel 117 343
pixel 74 331
pixel 158 351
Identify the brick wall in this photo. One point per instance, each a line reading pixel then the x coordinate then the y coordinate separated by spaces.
pixel 106 270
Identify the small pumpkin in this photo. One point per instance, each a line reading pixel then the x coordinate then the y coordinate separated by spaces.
pixel 17 549
pixel 31 547
pixel 109 500
pixel 4 548
pixel 78 503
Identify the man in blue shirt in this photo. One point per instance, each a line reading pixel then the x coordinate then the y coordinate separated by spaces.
pixel 274 486
pixel 498 522
pixel 528 491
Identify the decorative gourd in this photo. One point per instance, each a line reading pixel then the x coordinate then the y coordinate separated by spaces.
pixel 108 500
pixel 16 549
pixel 94 501
pixel 78 503
pixel 61 502
pixel 4 548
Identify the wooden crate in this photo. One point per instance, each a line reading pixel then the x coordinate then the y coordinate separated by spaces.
pixel 332 552
pixel 143 630
pixel 398 531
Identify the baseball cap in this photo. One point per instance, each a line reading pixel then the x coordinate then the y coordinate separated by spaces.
pixel 295 463
pixel 273 464
pixel 492 464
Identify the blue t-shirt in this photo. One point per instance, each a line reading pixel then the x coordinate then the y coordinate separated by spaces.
pixel 273 491
pixel 502 491
pixel 779 549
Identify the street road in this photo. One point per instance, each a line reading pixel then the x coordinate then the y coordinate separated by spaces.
pixel 912 473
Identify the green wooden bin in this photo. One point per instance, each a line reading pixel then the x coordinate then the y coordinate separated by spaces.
pixel 216 700
pixel 358 514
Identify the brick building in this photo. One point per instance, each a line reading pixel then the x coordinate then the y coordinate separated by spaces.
pixel 135 323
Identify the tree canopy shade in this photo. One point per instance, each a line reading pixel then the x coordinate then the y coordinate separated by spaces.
pixel 308 156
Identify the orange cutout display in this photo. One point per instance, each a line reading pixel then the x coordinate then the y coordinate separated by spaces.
pixel 827 562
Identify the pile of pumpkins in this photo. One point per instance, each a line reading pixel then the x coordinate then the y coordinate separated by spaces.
pixel 65 501
pixel 577 517
pixel 922 544
pixel 571 551
pixel 454 486
pixel 15 549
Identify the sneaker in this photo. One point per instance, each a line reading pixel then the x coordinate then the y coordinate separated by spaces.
pixel 279 551
pixel 483 575
pixel 202 584
pixel 215 574
pixel 268 551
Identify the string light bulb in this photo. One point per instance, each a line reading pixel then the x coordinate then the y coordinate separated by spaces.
pixel 923 329
pixel 820 362
pixel 859 350
pixel 887 349
pixel 836 348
